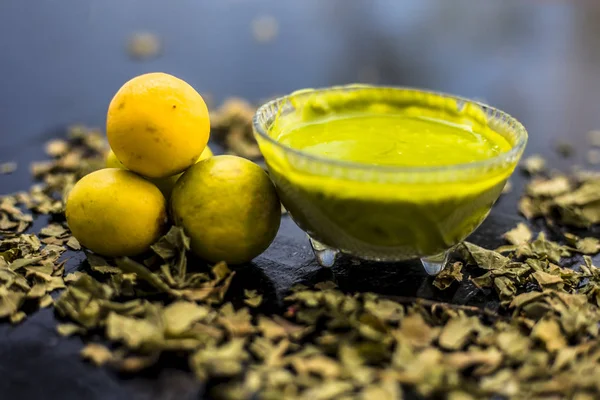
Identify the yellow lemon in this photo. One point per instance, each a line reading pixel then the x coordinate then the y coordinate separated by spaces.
pixel 164 184
pixel 114 212
pixel 112 161
pixel 228 207
pixel 157 125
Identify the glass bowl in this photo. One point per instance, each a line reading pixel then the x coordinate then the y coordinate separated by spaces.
pixel 378 212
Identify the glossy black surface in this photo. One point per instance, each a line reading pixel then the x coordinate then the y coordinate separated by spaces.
pixel 61 61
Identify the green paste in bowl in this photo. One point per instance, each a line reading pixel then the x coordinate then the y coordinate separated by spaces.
pixel 387 174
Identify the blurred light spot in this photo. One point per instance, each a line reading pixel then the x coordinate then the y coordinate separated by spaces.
pixel 593 156
pixel 8 168
pixel 265 28
pixel 143 46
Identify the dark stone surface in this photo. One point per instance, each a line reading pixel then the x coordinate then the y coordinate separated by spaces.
pixel 62 61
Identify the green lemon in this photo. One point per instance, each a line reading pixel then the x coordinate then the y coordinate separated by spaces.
pixel 229 208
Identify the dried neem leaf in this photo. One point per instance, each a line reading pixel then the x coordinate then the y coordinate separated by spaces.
pixel 456 333
pixel 503 382
pixel 384 309
pixel 555 186
pixel 580 207
pixel 41 168
pixel 209 290
pixel 83 301
pixel 10 301
pixel 172 248
pixel 545 279
pixel 232 124
pixel 12 280
pixel 416 331
pixel 74 276
pixel 101 265
pixel 170 245
pixel 547 249
pixel 97 354
pixel 57 147
pixel 549 332
pixel 69 329
pixel 219 361
pixel 133 363
pixel 73 243
pixel 128 265
pixel 269 352
pixel 237 323
pixel 483 361
pixel 588 245
pixel 483 258
pixel 513 343
pixel 24 262
pixel 253 298
pixel 179 316
pixel 519 235
pixel 277 327
pixel 46 301
pixel 530 208
pixel 6 225
pixel 135 332
pixel 317 364
pixel 17 317
pixel 449 275
pixel 534 164
pixel 32 276
pixel 567 200
pixel 54 230
pixel 329 389
pixel 580 175
pixel 459 395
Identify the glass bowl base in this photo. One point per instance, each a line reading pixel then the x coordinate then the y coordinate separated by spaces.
pixel 326 257
pixel 435 264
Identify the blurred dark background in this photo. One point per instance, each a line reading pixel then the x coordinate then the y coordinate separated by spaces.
pixel 62 60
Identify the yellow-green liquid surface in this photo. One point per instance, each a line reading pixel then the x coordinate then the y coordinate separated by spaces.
pixel 394 139
pixel 366 211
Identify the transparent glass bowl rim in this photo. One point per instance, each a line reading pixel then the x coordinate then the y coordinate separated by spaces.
pixel 489 163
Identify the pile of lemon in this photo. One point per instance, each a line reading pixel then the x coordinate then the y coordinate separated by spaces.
pixel 160 170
